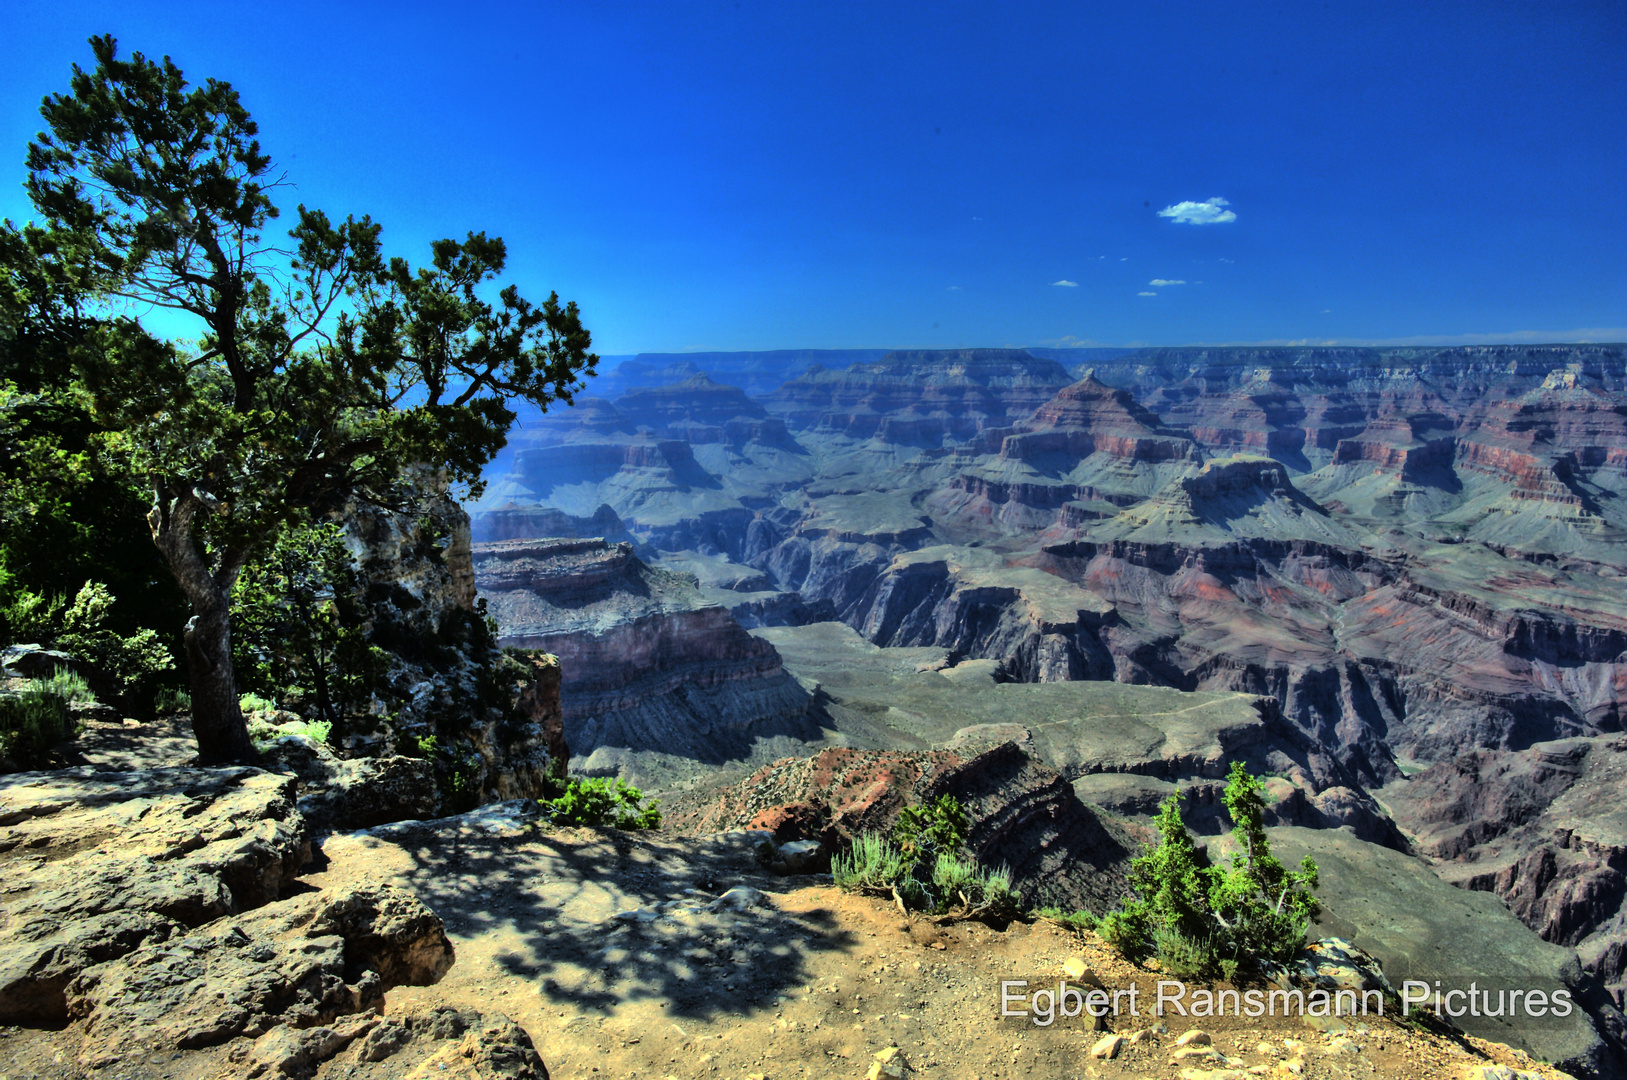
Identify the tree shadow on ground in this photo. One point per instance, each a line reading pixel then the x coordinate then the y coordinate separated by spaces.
pixel 599 918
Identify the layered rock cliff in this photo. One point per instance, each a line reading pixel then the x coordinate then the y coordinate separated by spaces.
pixel 1542 828
pixel 649 667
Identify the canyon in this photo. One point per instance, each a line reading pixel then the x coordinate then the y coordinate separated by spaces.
pixel 1383 570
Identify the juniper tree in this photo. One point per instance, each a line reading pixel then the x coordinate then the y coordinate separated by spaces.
pixel 321 370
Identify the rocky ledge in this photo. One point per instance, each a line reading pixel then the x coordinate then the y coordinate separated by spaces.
pixel 1022 814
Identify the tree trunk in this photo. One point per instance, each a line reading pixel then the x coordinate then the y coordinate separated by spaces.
pixel 217 719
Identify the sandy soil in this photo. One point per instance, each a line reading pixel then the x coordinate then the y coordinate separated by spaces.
pixel 812 983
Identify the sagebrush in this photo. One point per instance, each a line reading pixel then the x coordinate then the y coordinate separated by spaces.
pixel 921 864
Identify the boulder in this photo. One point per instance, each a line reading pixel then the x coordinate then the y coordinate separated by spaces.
pixel 301 962
pixel 94 865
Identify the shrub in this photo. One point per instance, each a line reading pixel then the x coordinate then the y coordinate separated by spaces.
pixel 32 617
pixel 31 723
pixel 254 703
pixel 263 731
pixel 925 831
pixel 1215 919
pixel 299 632
pixel 1073 920
pixel 599 801
pixel 68 685
pixel 920 864
pixel 86 635
pixel 169 701
pixel 870 863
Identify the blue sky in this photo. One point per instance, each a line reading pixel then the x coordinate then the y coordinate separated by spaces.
pixel 833 175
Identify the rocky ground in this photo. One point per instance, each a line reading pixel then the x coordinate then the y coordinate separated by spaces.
pixel 637 955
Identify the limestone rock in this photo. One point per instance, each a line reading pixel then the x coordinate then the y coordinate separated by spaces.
pixel 499 1050
pixel 118 860
pixel 302 962
pixel 1108 1046
pixel 800 857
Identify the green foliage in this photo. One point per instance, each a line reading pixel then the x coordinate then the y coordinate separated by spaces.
pixel 1073 920
pixel 31 723
pixel 872 863
pixel 88 634
pixel 426 745
pixel 254 703
pixel 1216 918
pixel 1264 908
pixel 920 863
pixel 70 686
pixel 264 732
pixel 168 701
pixel 299 627
pixel 597 801
pixel 85 630
pixel 1181 954
pixel 30 617
pixel 319 369
pixel 926 830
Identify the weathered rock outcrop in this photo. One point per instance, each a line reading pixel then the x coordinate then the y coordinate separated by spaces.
pixel 647 664
pixel 1542 828
pixel 919 398
pixel 300 962
pixel 93 865
pixel 1021 813
pixel 446 678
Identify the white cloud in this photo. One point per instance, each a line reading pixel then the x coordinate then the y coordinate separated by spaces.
pixel 1159 282
pixel 1327 311
pixel 1125 259
pixel 1066 283
pixel 1208 212
pixel 1227 260
pixel 954 288
pixel 1146 294
pixel 1070 341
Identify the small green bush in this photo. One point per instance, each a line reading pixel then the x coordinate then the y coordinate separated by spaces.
pixel 1209 919
pixel 597 802
pixel 871 862
pixel 254 703
pixel 263 732
pixel 920 862
pixel 85 634
pixel 68 685
pixel 1073 920
pixel 928 829
pixel 169 702
pixel 31 723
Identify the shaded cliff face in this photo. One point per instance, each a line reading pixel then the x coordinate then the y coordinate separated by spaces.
pixel 919 398
pixel 649 667
pixel 1542 828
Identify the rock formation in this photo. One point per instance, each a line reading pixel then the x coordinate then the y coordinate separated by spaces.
pixel 1543 829
pixel 647 664
pixel 1022 814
